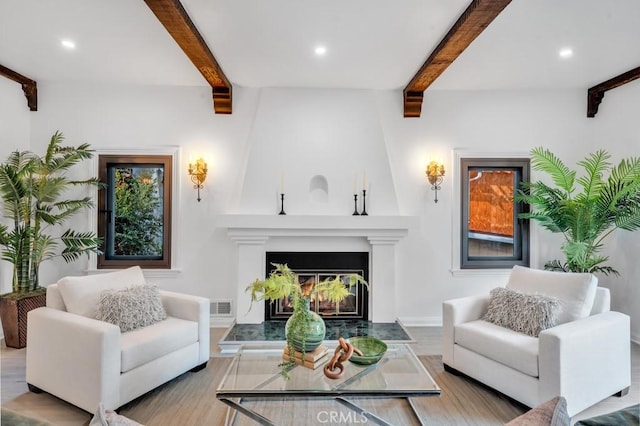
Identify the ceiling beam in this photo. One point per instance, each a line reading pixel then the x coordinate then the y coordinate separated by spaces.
pixel 469 25
pixel 29 87
pixel 596 93
pixel 175 19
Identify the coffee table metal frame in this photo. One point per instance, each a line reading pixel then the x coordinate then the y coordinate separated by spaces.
pixel 400 375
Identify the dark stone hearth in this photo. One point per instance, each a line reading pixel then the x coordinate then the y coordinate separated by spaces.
pixel 270 331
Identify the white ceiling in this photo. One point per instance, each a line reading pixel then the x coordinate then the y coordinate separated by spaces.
pixel 376 44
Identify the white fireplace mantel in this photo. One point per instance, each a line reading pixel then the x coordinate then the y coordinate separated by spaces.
pixel 245 225
pixel 252 233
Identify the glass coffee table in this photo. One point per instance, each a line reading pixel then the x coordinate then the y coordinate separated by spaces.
pixel 254 375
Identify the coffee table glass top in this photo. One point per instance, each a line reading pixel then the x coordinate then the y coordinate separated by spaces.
pixel 254 372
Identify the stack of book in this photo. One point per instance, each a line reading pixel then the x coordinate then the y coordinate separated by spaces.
pixel 311 359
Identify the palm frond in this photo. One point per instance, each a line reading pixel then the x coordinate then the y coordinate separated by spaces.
pixel 595 166
pixel 545 161
pixel 587 218
pixel 30 189
pixel 79 243
pixel 556 265
pixel 630 220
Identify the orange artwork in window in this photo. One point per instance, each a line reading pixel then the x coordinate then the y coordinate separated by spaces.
pixel 491 202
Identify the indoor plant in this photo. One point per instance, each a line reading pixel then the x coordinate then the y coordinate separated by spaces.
pixel 305 329
pixel 585 209
pixel 32 188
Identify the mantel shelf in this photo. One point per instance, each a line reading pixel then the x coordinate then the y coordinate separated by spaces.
pixel 373 227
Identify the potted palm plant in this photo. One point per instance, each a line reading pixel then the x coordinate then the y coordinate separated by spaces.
pixel 305 329
pixel 32 188
pixel 586 209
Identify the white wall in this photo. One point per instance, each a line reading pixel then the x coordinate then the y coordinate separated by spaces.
pixel 339 133
pixel 14 135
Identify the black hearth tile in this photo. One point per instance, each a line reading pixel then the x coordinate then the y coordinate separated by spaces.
pixel 274 331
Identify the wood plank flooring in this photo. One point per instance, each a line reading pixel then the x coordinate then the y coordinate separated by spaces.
pixel 428 342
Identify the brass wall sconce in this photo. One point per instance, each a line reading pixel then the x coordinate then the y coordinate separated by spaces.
pixel 435 174
pixel 198 173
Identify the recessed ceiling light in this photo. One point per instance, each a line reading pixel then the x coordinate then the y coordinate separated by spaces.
pixel 321 50
pixel 565 52
pixel 69 44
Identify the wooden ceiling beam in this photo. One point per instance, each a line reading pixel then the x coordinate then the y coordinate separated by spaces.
pixel 29 87
pixel 469 25
pixel 596 93
pixel 175 19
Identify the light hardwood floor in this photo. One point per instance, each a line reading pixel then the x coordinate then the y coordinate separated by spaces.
pixel 428 341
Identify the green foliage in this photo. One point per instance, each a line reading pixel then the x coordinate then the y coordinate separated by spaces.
pixel 585 218
pixel 283 283
pixel 30 187
pixel 138 227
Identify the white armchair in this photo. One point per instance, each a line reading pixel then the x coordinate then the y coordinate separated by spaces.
pixel 585 359
pixel 86 362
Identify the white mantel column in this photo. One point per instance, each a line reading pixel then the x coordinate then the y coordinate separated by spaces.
pixel 251 265
pixel 382 280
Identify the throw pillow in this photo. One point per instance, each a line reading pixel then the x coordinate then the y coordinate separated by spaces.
pixel 81 294
pixel 552 413
pixel 131 308
pixel 521 312
pixel 104 417
pixel 576 291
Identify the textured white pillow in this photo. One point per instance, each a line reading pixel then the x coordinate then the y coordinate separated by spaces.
pixel 131 308
pixel 81 294
pixel 576 291
pixel 524 313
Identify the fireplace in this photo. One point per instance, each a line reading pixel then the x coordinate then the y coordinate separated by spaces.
pixel 315 267
pixel 255 235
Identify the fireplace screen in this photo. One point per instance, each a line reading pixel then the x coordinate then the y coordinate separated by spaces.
pixel 308 279
pixel 312 268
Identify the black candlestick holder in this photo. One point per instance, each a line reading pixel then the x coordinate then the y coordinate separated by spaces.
pixel 364 203
pixel 281 205
pixel 355 205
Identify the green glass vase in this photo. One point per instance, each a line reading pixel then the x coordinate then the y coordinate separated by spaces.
pixel 305 329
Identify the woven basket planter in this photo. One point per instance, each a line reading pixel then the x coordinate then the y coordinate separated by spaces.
pixel 13 311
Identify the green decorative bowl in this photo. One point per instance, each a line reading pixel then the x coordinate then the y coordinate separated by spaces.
pixel 372 350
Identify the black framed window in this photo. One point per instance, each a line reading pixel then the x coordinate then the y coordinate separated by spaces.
pixel 134 211
pixel 492 235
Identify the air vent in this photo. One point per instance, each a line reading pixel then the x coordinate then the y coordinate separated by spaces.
pixel 221 308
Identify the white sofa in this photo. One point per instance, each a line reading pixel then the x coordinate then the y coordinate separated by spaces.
pixel 86 362
pixel 585 359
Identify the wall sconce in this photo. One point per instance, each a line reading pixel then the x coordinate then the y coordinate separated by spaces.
pixel 198 173
pixel 435 174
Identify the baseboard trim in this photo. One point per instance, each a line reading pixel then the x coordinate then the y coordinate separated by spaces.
pixel 420 321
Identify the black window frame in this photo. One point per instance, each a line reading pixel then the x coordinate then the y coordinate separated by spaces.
pixel 104 212
pixel 521 227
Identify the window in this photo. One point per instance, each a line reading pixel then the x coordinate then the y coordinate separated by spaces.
pixel 134 209
pixel 491 234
